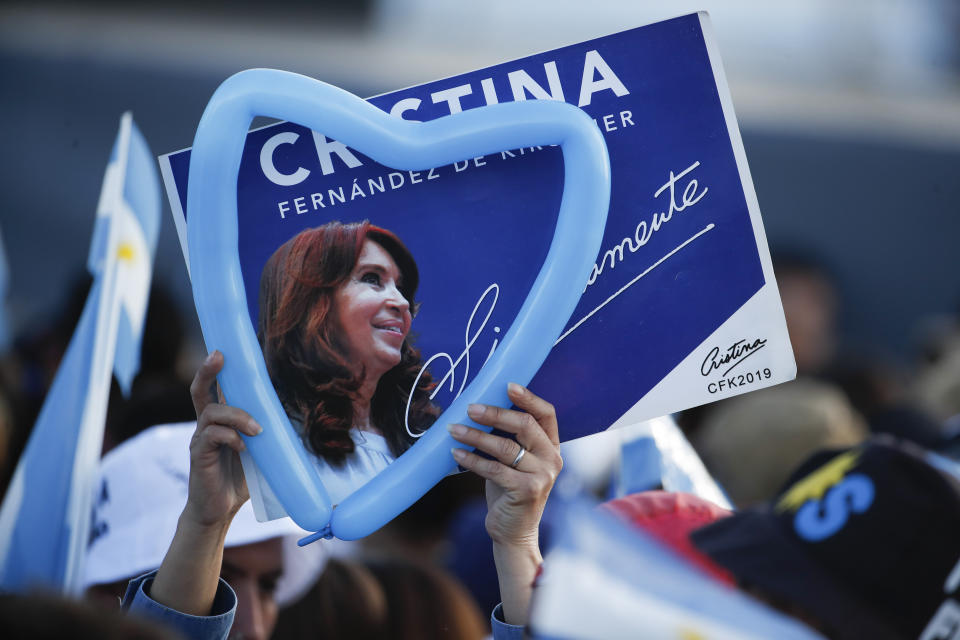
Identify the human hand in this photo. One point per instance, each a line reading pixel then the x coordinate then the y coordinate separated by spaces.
pixel 217 487
pixel 516 495
pixel 517 487
pixel 188 577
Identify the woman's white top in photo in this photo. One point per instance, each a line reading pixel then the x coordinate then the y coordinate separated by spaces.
pixel 370 456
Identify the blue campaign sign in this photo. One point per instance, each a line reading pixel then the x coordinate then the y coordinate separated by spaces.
pixel 682 291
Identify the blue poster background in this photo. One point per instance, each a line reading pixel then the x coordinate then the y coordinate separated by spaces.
pixel 490 220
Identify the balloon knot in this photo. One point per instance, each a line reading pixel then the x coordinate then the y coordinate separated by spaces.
pixel 324 533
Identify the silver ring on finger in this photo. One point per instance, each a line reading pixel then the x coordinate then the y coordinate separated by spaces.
pixel 520 454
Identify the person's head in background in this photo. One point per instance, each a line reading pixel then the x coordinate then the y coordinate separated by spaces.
pixel 426 603
pixel 861 543
pixel 374 599
pixel 142 490
pixel 936 389
pixel 42 616
pixel 346 601
pixel 936 386
pixel 811 303
pixel 752 442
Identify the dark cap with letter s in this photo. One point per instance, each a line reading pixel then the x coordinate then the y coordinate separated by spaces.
pixel 864 541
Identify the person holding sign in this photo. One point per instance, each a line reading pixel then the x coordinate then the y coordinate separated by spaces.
pixel 186 590
pixel 335 309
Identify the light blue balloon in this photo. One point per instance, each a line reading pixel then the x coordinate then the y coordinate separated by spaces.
pixel 222 306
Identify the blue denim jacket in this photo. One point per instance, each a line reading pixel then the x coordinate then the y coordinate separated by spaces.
pixel 216 626
pixel 502 630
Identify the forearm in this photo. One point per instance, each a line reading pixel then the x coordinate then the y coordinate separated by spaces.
pixel 188 578
pixel 517 567
pixel 519 477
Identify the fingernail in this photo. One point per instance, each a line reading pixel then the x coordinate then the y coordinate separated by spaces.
pixel 476 410
pixel 257 429
pixel 209 358
pixel 515 389
pixel 458 454
pixel 457 429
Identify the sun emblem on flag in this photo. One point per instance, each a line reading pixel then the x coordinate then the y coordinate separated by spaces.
pixel 126 252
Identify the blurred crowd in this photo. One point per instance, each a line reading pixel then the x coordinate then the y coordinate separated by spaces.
pixel 431 573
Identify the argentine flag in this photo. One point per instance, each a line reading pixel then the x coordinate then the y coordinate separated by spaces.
pixel 45 514
pixel 604 580
pixel 655 454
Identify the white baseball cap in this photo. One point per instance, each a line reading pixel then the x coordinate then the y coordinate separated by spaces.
pixel 140 494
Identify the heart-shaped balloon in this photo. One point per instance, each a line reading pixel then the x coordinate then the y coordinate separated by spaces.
pixel 221 302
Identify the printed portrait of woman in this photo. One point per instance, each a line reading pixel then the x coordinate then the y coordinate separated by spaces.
pixel 335 310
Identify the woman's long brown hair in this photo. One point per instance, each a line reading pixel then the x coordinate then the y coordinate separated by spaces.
pixel 301 346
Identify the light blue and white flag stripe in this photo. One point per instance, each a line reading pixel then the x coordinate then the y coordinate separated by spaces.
pixel 130 202
pixel 604 580
pixel 45 515
pixel 656 453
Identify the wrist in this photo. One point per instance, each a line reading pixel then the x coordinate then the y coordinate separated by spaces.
pixel 517 566
pixel 199 529
pixel 525 552
pixel 525 535
pixel 189 575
